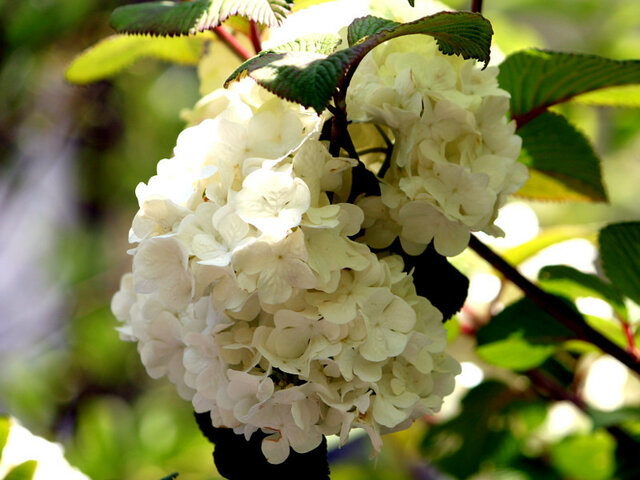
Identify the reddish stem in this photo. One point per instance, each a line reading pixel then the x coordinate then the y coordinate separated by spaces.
pixel 232 43
pixel 255 36
pixel 632 348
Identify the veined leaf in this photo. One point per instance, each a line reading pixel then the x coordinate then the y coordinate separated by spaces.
pixel 117 52
pixel 521 337
pixel 565 165
pixel 538 79
pixel 620 254
pixel 568 281
pixel 187 18
pixel 24 471
pixel 312 76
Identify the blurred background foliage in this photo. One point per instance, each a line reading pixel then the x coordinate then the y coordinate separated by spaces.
pixel 70 159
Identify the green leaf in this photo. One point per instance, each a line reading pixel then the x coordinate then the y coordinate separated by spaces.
pixel 5 426
pixel 538 79
pixel 546 238
pixel 572 283
pixel 412 3
pixel 585 457
pixel 565 166
pixel 173 476
pixel 602 419
pixel 620 254
pixel 187 18
pixel 24 471
pixel 117 52
pixel 625 96
pixel 311 77
pixel 521 337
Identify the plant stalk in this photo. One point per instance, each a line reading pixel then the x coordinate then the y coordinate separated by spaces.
pixel 232 42
pixel 554 306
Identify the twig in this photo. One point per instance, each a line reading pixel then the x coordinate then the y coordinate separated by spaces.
pixel 232 43
pixel 554 306
pixel 255 36
pixel 476 6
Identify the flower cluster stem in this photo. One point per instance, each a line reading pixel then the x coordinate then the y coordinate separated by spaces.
pixel 233 43
pixel 554 306
pixel 254 30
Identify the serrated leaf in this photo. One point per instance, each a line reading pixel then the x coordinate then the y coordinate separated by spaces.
pixel 620 255
pixel 24 471
pixel 117 52
pixel 572 283
pixel 585 457
pixel 521 337
pixel 311 77
pixel 538 79
pixel 187 18
pixel 5 426
pixel 566 166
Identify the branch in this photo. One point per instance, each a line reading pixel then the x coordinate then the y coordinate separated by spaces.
pixel 554 306
pixel 476 6
pixel 233 43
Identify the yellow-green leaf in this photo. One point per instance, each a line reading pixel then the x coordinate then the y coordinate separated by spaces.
pixel 117 52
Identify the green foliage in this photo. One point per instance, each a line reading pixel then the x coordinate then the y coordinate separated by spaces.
pixel 625 96
pixel 620 254
pixel 188 18
pixel 412 3
pixel 539 79
pixel 585 457
pixel 312 77
pixel 564 164
pixel 173 476
pixel 24 471
pixel 117 52
pixel 521 337
pixel 572 283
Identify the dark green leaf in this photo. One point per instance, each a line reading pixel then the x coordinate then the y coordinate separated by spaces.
pixel 173 476
pixel 187 18
pixel 538 79
pixel 24 471
pixel 564 164
pixel 311 77
pixel 441 283
pixel 5 426
pixel 115 53
pixel 238 458
pixel 521 337
pixel 620 254
pixel 572 283
pixel 585 457
pixel 602 419
pixel 412 3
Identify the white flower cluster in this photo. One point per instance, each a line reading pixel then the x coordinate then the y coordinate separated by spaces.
pixel 249 295
pixel 455 156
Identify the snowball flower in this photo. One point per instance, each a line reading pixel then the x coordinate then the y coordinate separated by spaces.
pixel 255 293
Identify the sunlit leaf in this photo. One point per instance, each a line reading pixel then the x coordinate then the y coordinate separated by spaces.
pixel 521 337
pixel 24 471
pixel 561 155
pixel 572 283
pixel 620 254
pixel 188 18
pixel 538 79
pixel 310 77
pixel 625 96
pixel 585 457
pixel 117 52
pixel 546 238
